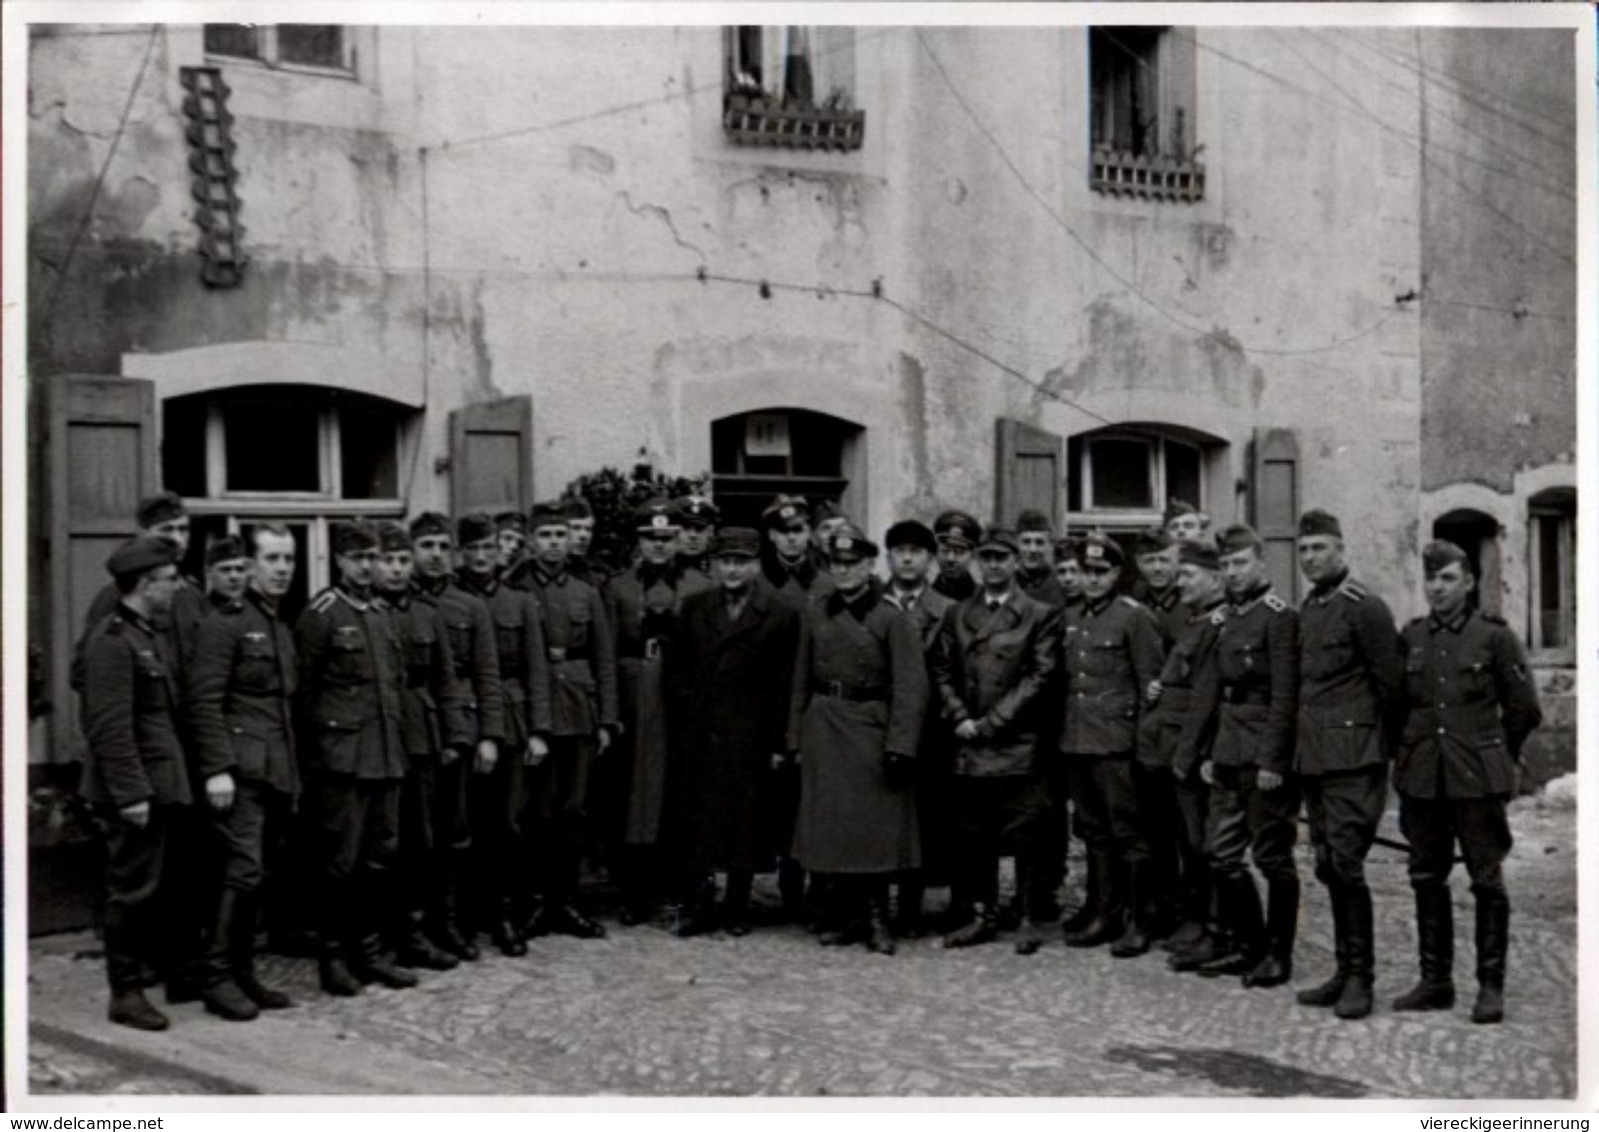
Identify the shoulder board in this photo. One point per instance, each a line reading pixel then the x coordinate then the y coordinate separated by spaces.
pixel 1132 601
pixel 1354 591
pixel 1274 603
pixel 324 601
pixel 1219 617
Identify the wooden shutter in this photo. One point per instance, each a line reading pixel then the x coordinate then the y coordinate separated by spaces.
pixel 1027 472
pixel 1274 505
pixel 491 456
pixel 100 460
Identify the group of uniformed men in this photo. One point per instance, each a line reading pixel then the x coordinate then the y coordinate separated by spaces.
pixel 471 709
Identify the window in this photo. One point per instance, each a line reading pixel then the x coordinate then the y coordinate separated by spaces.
pixel 1141 107
pixel 300 455
pixel 323 47
pixel 1124 478
pixel 1552 562
pixel 755 456
pixel 792 87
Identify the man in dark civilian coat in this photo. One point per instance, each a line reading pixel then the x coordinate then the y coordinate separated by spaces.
pixel 728 688
pixel 1469 706
pixel 135 775
pixel 997 653
pixel 1350 685
pixel 241 709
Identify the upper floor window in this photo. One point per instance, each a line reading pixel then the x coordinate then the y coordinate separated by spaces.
pixel 791 87
pixel 1142 113
pixel 323 47
pixel 1553 573
pixel 1121 477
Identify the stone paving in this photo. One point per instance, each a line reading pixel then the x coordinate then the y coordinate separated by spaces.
pixel 773 1014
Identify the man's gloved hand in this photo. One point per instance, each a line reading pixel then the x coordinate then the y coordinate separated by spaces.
pixel 899 770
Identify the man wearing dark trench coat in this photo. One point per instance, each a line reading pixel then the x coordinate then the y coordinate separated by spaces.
pixel 860 696
pixel 728 690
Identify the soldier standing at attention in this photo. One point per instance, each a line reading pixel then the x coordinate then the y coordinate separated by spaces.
pixel 859 699
pixel 1351 684
pixel 241 707
pixel 580 537
pixel 1112 652
pixel 911 546
pixel 1156 556
pixel 1469 706
pixel 958 535
pixel 1248 694
pixel 641 607
pixel 435 729
pixel 470 627
pixel 501 789
pixel 581 688
pixel 227 571
pixel 135 774
pixel 697 520
pixel 997 653
pixel 351 688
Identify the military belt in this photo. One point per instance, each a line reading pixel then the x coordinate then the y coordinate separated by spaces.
pixel 648 649
pixel 1257 694
pixel 865 694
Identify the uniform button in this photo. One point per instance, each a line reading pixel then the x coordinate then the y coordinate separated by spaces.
pixel 1440 731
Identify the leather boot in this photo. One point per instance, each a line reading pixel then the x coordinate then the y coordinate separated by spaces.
pixel 1282 926
pixel 1355 1001
pixel 736 903
pixel 333 943
pixel 416 950
pixel 1079 919
pixel 907 923
pixel 791 887
pixel 507 936
pixel 366 947
pixel 1435 943
pixel 1493 943
pixel 1213 944
pixel 1328 993
pixel 1135 938
pixel 981 928
pixel 1105 924
pixel 879 937
pixel 246 910
pixel 220 993
pixel 447 930
pixel 129 1007
pixel 1240 903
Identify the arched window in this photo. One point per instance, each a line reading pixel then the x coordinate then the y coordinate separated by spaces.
pixel 1120 479
pixel 296 454
pixel 1552 571
pixel 755 456
pixel 1478 535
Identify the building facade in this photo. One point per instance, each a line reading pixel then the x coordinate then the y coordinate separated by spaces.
pixel 308 271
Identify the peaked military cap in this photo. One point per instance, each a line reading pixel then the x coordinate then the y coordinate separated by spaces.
pixel 849 541
pixel 475 526
pixel 430 523
pixel 138 554
pixel 550 514
pixel 1319 522
pixel 656 515
pixel 1096 549
pixel 1002 537
pixel 696 511
pixel 225 549
pixel 958 529
pixel 911 532
pixel 1239 536
pixel 352 535
pixel 160 508
pixel 744 542
pixel 786 510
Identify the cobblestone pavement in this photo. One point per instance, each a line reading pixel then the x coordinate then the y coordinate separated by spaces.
pixel 773 1014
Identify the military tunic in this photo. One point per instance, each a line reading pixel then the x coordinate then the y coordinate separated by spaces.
pixel 1350 683
pixel 860 695
pixel 1041 585
pixel 926 608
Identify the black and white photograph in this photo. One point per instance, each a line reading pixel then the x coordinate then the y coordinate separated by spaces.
pixel 979 552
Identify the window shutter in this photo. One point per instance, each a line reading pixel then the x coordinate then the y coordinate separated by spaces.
pixel 1027 471
pixel 99 461
pixel 1274 505
pixel 491 456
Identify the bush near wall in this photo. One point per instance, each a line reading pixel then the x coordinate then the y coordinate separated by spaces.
pixel 616 497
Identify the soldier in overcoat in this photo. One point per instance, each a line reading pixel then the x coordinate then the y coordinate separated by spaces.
pixel 697 520
pixel 583 720
pixel 911 547
pixel 135 775
pixel 502 788
pixel 470 628
pixel 1470 705
pixel 241 685
pixel 859 701
pixel 1249 694
pixel 435 729
pixel 350 692
pixel 1112 651
pixel 641 608
pixel 1351 684
pixel 728 690
pixel 997 653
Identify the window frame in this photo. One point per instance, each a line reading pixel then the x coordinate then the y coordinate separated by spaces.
pixel 270 55
pixel 1166 169
pixel 1566 571
pixel 768 115
pixel 1129 517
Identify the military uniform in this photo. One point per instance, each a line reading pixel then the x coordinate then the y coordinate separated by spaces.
pixel 1469 706
pixel 1166 606
pixel 1112 653
pixel 351 692
pixel 1248 693
pixel 1350 682
pixel 1041 585
pixel 130 701
pixel 241 686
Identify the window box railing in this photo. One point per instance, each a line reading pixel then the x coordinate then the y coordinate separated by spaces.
pixel 1120 173
pixel 753 119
